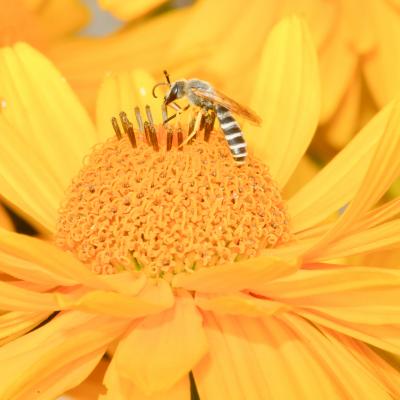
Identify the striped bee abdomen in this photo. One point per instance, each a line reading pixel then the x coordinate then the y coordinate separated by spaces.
pixel 233 134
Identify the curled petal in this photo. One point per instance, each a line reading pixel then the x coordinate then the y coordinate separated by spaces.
pixel 152 299
pixel 160 350
pixel 236 276
pixel 239 304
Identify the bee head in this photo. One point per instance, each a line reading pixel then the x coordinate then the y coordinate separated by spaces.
pixel 176 92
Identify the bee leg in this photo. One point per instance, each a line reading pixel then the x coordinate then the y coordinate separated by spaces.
pixel 169 119
pixel 196 127
pixel 179 109
pixel 209 125
pixel 175 106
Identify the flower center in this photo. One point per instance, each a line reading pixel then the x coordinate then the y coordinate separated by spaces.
pixel 172 210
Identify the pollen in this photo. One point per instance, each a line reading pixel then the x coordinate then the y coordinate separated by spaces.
pixel 166 209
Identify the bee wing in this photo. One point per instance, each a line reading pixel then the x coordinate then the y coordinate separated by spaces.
pixel 225 101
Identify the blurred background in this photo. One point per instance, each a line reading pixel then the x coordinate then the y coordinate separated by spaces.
pixel 357 43
pixel 102 22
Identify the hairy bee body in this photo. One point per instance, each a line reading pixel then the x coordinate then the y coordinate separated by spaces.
pixel 201 94
pixel 195 99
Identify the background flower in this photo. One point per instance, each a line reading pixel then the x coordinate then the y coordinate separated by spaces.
pixel 40 23
pixel 350 38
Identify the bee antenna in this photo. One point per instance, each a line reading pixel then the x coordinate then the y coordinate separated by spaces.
pixel 156 86
pixel 167 76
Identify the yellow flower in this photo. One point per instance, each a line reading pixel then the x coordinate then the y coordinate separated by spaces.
pixel 285 323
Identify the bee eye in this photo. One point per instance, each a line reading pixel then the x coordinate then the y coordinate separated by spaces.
pixel 173 94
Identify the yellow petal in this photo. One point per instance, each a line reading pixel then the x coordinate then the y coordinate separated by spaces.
pixel 382 65
pixel 124 92
pixel 19 299
pixel 338 182
pixel 61 17
pixel 16 323
pixel 34 287
pixel 378 215
pixel 276 358
pixel 362 294
pixel 305 171
pixel 379 238
pixel 294 249
pixel 91 387
pixel 127 10
pixel 30 271
pixel 384 337
pixel 56 357
pixel 353 372
pixel 29 186
pixel 395 189
pixel 286 97
pixel 121 388
pixel 46 118
pixel 239 304
pixel 358 30
pixel 315 232
pixel 117 386
pixel 338 62
pixel 127 282
pixel 5 220
pixel 342 297
pixel 341 128
pixel 179 391
pixel 385 258
pixel 384 168
pixel 320 16
pixel 239 363
pixel 44 262
pixel 377 366
pixel 151 300
pixel 160 350
pixel 236 276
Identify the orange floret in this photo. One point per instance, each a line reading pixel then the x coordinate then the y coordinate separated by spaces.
pixel 168 211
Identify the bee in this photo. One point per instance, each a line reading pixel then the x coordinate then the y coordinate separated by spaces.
pixel 202 94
